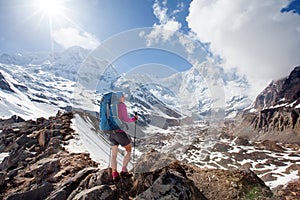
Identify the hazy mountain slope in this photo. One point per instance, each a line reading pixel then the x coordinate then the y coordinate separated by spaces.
pixel 50 79
pixel 32 95
pixel 197 92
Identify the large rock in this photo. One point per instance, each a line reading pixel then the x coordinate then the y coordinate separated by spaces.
pixel 40 193
pixel 160 180
pixel 43 168
pixel 15 158
pixel 172 185
pixel 107 192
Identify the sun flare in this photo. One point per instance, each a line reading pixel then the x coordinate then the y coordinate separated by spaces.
pixel 50 7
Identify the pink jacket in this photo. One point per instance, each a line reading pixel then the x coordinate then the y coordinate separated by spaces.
pixel 123 115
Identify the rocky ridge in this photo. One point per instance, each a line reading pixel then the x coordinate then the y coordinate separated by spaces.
pixel 275 112
pixel 37 161
pixel 39 167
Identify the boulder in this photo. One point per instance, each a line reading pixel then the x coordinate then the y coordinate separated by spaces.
pixel 107 192
pixel 14 158
pixel 42 168
pixel 172 185
pixel 40 193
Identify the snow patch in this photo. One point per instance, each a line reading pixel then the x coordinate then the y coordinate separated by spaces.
pixel 3 156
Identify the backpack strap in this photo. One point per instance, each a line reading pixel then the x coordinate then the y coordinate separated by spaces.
pixel 107 110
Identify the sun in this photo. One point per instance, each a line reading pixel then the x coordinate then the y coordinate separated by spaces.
pixel 49 7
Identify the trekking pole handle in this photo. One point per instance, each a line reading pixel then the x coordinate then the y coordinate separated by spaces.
pixel 136 115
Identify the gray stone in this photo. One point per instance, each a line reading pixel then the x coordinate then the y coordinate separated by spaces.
pixel 12 160
pixel 43 167
pixel 2 177
pixel 100 192
pixel 35 194
pixel 172 185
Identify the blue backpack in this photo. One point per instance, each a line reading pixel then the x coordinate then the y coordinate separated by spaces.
pixel 109 119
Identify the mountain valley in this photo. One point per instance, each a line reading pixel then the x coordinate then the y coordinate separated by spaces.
pixel 203 118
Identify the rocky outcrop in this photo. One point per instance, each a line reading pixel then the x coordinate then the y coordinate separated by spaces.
pixel 275 112
pixel 37 162
pixel 38 167
pixel 158 176
pixel 4 85
pixel 284 91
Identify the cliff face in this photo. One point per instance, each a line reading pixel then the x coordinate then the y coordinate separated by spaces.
pixel 275 112
pixel 282 92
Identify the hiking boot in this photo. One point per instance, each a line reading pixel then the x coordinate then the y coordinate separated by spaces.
pixel 124 169
pixel 115 176
pixel 126 174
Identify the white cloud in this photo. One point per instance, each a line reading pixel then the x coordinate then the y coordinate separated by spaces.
pixel 68 37
pixel 160 12
pixel 252 35
pixel 167 26
pixel 180 8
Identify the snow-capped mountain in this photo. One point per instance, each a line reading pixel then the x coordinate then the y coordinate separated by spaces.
pixel 31 93
pixel 63 64
pixel 48 80
pixel 198 93
pixel 206 87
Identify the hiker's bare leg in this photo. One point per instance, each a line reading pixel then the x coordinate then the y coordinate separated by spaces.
pixel 127 156
pixel 114 153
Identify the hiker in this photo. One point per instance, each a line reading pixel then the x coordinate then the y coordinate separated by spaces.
pixel 121 138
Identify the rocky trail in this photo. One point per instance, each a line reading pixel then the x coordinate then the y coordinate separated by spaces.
pixel 37 166
pixel 277 164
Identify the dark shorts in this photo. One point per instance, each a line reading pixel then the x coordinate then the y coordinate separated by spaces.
pixel 120 138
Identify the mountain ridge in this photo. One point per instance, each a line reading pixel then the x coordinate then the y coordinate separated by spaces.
pixel 275 113
pixel 37 72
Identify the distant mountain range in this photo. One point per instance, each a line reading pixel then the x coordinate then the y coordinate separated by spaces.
pixel 37 84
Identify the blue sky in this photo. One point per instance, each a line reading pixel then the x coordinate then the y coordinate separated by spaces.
pixel 252 36
pixel 25 27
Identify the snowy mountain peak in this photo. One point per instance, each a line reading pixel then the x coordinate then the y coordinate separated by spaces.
pixel 49 78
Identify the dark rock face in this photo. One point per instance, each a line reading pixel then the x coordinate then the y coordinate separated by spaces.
pixel 274 120
pixel 4 85
pixel 286 90
pixel 276 112
pixel 291 87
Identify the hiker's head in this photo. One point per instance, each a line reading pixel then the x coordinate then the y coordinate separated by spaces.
pixel 120 96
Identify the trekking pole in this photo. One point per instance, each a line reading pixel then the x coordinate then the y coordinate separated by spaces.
pixel 135 114
pixel 109 157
